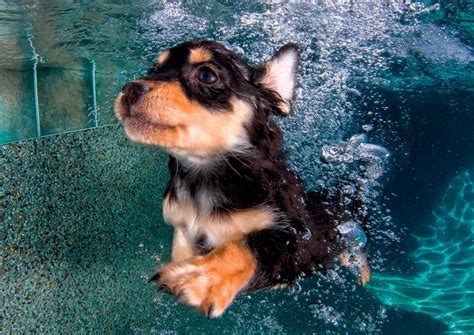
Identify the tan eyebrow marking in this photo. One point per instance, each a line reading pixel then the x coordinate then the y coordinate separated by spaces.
pixel 199 56
pixel 163 57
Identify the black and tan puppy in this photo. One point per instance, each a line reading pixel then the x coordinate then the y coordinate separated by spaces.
pixel 242 218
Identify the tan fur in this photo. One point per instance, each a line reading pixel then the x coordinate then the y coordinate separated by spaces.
pixel 279 77
pixel 218 229
pixel 285 108
pixel 163 57
pixel 279 286
pixel 182 249
pixel 359 262
pixel 167 118
pixel 211 282
pixel 199 56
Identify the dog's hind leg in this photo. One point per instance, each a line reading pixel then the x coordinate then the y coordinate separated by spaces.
pixel 333 211
pixel 354 255
pixel 358 264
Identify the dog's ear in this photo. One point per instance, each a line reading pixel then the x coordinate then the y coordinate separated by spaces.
pixel 279 75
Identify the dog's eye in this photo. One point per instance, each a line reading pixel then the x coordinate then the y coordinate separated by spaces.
pixel 206 75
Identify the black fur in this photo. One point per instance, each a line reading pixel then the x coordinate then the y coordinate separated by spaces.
pixel 304 239
pixel 236 78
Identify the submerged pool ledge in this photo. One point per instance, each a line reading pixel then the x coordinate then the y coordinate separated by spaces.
pixel 54 100
pixel 82 229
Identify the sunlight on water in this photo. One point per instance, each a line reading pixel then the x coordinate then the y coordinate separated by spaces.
pixel 444 288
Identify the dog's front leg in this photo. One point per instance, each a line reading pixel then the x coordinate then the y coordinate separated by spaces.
pixel 211 282
pixel 182 249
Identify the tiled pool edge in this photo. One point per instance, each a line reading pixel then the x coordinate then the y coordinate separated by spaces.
pixel 111 126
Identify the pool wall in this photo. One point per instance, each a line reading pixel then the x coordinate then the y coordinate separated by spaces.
pixel 55 100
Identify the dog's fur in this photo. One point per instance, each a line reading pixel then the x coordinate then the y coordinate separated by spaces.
pixel 242 218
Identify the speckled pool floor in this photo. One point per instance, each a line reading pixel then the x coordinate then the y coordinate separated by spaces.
pixel 82 230
pixel 82 214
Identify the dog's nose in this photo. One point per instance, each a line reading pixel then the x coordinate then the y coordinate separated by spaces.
pixel 133 91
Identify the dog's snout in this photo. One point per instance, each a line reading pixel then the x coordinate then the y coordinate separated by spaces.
pixel 134 90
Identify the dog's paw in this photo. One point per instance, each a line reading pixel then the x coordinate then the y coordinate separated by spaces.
pixel 209 283
pixel 358 264
pixel 198 286
pixel 364 274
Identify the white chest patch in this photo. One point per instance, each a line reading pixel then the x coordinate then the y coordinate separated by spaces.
pixel 195 219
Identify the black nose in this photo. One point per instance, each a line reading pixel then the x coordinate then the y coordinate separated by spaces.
pixel 133 91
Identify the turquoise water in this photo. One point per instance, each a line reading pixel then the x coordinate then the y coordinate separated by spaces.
pixel 445 255
pixel 81 206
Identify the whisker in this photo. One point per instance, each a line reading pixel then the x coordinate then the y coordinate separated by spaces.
pixel 239 159
pixel 231 166
pixel 177 168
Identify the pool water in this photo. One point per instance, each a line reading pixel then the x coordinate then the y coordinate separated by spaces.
pixel 82 226
pixel 443 285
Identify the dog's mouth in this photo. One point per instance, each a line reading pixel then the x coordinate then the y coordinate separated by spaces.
pixel 133 120
pixel 141 124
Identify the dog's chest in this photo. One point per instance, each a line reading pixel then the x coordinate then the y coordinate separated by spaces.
pixel 197 218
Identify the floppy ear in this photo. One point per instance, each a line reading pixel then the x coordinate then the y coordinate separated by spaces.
pixel 280 73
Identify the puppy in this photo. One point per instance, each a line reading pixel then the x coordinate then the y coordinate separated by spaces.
pixel 242 219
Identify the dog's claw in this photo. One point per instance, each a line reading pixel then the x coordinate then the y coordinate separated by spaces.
pixel 209 311
pixel 155 277
pixel 180 296
pixel 161 288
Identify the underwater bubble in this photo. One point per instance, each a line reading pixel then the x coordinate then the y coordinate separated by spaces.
pixel 356 140
pixel 334 154
pixel 367 127
pixel 353 235
pixel 358 149
pixel 326 313
pixel 372 153
pixel 374 171
pixel 307 234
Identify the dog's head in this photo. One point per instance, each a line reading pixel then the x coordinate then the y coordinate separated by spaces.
pixel 200 99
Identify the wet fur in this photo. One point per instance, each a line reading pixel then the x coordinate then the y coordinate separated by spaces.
pixel 213 187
